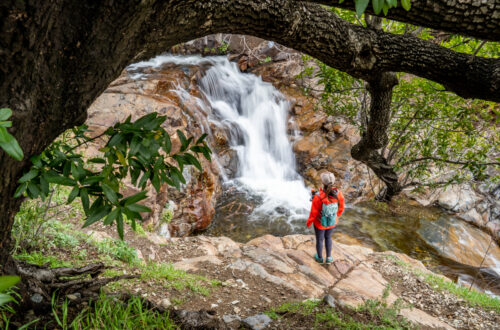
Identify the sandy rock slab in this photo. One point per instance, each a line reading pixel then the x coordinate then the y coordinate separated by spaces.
pixel 287 264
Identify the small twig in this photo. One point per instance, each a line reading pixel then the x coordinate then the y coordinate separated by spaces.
pixel 481 264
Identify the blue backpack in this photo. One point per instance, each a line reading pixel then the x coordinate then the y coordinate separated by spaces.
pixel 329 212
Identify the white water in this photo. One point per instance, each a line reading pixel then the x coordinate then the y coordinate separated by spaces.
pixel 256 115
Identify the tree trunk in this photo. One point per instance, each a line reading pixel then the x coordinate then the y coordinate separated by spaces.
pixel 375 137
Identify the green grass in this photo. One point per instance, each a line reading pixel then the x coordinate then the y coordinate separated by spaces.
pixel 38 258
pixel 108 313
pixel 170 277
pixel 472 297
pixel 328 317
pixel 117 249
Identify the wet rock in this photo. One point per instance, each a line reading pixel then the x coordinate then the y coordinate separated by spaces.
pixel 461 242
pixel 257 322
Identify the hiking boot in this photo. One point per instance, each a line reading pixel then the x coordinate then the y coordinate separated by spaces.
pixel 318 259
pixel 329 260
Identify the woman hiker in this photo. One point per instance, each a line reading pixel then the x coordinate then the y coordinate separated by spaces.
pixel 327 206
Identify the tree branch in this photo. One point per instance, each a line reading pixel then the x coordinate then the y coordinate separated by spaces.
pixel 482 20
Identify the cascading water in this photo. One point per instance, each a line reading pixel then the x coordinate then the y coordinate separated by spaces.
pixel 255 115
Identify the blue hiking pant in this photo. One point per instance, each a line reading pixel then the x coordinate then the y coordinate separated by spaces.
pixel 326 236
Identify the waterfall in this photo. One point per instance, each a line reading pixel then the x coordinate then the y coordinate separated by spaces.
pixel 255 114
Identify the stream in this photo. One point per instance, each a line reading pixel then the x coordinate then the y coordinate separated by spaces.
pixel 268 196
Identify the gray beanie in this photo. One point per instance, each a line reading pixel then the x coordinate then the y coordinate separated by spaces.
pixel 327 178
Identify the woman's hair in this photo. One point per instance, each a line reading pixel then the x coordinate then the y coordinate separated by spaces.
pixel 330 191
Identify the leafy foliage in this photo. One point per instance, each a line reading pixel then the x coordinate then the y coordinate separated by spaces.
pixel 433 133
pixel 7 142
pixel 140 149
pixel 379 5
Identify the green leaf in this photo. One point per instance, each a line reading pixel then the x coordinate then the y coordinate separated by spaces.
pixel 110 193
pixel 119 225
pixel 406 4
pixel 93 179
pixel 5 298
pixel 20 190
pixel 28 176
pixel 131 214
pixel 84 196
pixel 156 182
pixel 134 145
pixel 67 168
pixel 44 185
pixel 392 3
pixel 7 282
pixel 182 138
pixel 385 8
pixel 112 216
pixel 33 189
pixel 145 120
pixel 168 143
pixel 144 179
pixel 138 208
pixel 77 171
pixel 134 198
pixel 116 139
pixel 72 195
pixel 377 6
pixel 96 215
pixel 180 161
pixel 193 161
pixel 55 178
pixel 5 123
pixel 97 160
pixel 201 138
pixel 5 113
pixel 361 6
pixel 9 144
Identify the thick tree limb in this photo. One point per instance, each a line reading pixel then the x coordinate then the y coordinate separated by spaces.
pixel 359 51
pixel 479 19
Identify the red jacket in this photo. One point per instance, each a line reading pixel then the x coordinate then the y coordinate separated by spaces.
pixel 317 205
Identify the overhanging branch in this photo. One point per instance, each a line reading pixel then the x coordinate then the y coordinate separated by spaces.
pixel 479 19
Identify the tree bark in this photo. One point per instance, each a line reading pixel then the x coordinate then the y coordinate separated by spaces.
pixel 57 57
pixel 478 19
pixel 375 137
